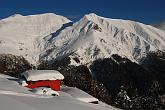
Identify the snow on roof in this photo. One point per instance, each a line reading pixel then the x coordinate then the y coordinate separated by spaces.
pixel 36 75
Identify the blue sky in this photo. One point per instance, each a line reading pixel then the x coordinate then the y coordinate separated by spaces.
pixel 146 11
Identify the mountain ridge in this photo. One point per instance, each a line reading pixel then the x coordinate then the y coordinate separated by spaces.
pixel 91 38
pixel 84 29
pixel 29 32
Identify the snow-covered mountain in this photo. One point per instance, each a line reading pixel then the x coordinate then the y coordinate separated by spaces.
pixel 96 37
pixel 49 37
pixel 24 35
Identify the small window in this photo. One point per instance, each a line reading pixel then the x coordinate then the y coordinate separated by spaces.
pixel 61 82
pixel 33 82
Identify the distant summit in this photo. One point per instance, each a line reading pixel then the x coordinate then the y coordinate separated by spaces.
pixel 24 35
pixel 16 15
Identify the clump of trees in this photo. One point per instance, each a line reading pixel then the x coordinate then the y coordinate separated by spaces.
pixel 13 65
pixel 155 63
pixel 131 86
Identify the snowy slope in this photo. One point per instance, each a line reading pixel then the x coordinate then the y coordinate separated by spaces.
pixel 24 35
pixel 96 37
pixel 50 37
pixel 16 97
pixel 160 26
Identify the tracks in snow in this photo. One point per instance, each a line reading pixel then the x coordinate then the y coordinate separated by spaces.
pixel 3 92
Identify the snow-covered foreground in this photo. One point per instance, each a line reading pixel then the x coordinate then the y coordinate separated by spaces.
pixel 16 97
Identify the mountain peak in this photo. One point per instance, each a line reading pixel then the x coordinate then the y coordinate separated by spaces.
pixel 29 33
pixel 16 15
pixel 90 16
pixel 48 16
pixel 95 37
pixel 45 14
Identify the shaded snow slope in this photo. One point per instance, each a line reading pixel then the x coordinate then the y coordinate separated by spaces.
pixel 24 35
pixel 16 97
pixel 79 94
pixel 160 26
pixel 95 37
